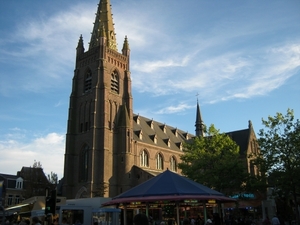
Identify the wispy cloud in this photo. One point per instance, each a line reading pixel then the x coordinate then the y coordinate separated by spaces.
pixel 49 42
pixel 47 149
pixel 223 77
pixel 181 107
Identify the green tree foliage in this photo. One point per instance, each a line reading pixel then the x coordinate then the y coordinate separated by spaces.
pixel 52 178
pixel 280 154
pixel 214 161
pixel 100 190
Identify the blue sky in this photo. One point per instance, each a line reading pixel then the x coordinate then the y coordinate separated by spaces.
pixel 242 58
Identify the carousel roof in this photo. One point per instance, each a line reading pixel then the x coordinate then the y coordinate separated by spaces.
pixel 168 186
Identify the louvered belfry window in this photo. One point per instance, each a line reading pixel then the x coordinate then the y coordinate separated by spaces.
pixel 115 82
pixel 88 81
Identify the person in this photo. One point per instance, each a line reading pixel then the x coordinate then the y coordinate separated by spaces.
pixel 266 221
pixel 216 219
pixel 55 221
pixel 186 221
pixel 22 222
pixel 192 221
pixel 275 220
pixel 140 219
pixel 64 221
pixel 77 222
pixel 199 220
pixel 209 221
pixel 35 221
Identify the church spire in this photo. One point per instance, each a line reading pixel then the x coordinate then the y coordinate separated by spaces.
pixel 125 49
pixel 80 47
pixel 104 25
pixel 199 122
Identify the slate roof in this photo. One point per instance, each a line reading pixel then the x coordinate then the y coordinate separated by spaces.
pixel 175 135
pixel 241 137
pixel 9 180
pixel 8 176
pixel 163 133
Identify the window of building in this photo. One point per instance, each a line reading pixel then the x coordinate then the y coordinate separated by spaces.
pixel 84 163
pixel 155 139
pixel 88 81
pixel 175 131
pixel 173 164
pixel 17 199
pixel 114 82
pixel 19 183
pixel 137 119
pixel 179 145
pixel 86 126
pixel 168 142
pixel 159 162
pixel 144 159
pixel 187 136
pixel 141 135
pixel 9 200
pixel 164 128
pixel 151 124
pixel 252 168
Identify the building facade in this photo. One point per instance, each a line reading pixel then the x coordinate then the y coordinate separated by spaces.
pixel 28 182
pixel 109 149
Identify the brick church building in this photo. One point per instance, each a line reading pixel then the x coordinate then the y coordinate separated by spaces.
pixel 107 145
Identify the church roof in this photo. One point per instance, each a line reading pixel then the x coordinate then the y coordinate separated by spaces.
pixel 241 137
pixel 146 130
pixel 152 132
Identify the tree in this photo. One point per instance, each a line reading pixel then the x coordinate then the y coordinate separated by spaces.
pixel 52 178
pixel 37 164
pixel 280 155
pixel 214 161
pixel 100 190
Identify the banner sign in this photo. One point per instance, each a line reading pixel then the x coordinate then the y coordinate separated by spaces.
pixel 243 196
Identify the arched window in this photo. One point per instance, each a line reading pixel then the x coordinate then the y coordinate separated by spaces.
pixel 88 81
pixel 84 163
pixel 159 162
pixel 114 82
pixel 144 159
pixel 173 164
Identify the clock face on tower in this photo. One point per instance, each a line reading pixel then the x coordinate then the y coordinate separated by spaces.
pixel 112 42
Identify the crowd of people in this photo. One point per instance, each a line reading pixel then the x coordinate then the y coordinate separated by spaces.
pixel 34 221
pixel 142 219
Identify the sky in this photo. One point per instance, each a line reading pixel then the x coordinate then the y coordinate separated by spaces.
pixel 239 59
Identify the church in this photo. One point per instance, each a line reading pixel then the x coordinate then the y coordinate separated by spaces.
pixel 109 149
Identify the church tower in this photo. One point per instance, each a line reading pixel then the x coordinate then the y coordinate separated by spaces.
pixel 100 114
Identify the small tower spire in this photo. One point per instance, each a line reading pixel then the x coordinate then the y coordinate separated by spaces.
pixel 104 18
pixel 80 47
pixel 125 49
pixel 199 122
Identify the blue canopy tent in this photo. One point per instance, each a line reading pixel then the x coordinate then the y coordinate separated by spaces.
pixel 168 186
